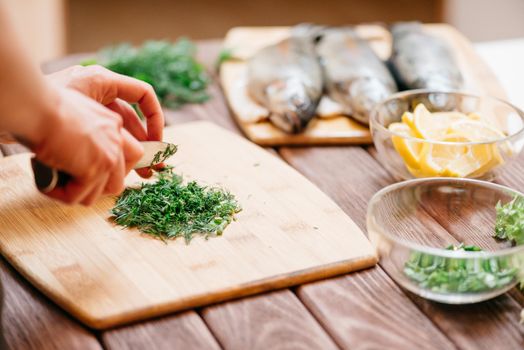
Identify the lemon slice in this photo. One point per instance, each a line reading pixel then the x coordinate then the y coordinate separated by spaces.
pixel 456 160
pixel 435 158
pixel 409 150
pixel 407 118
pixel 433 126
pixel 477 161
pixel 475 130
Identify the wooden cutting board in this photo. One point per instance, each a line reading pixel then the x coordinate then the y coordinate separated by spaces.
pixel 330 127
pixel 288 233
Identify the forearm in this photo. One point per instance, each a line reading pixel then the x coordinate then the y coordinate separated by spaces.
pixel 25 98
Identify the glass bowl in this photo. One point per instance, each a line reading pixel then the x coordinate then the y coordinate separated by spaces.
pixel 412 222
pixel 483 160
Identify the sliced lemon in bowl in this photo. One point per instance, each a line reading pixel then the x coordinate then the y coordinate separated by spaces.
pixel 495 160
pixel 481 131
pixel 433 126
pixel 476 160
pixel 409 150
pixel 455 160
pixel 408 119
pixel 476 130
pixel 459 156
pixel 435 158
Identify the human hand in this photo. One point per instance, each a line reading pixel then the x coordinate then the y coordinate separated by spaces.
pixel 85 140
pixel 116 91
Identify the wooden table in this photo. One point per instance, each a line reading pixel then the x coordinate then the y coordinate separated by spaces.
pixel 359 310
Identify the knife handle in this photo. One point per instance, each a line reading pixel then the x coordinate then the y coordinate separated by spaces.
pixel 47 178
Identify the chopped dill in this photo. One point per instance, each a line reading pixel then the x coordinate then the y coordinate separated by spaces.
pixel 168 208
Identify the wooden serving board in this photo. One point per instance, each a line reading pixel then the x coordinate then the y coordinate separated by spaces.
pixel 288 233
pixel 329 127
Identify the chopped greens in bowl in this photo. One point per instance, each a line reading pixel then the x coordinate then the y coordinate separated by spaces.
pixel 451 240
pixel 445 275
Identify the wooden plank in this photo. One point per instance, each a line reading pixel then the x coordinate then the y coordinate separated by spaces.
pixel 31 321
pixel 351 183
pixel 268 321
pixel 366 309
pixel 489 325
pixel 182 331
pixel 511 175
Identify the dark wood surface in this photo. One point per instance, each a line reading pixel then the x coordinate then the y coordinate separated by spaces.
pixel 364 310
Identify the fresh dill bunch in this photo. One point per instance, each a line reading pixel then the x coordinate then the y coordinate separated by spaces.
pixel 171 68
pixel 168 208
pixel 509 224
pixel 441 274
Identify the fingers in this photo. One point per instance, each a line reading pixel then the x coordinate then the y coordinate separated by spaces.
pixel 131 120
pixel 129 89
pixel 74 192
pixel 98 190
pixel 133 151
pixel 105 140
pixel 115 183
pixel 136 91
pixel 144 172
pixel 87 191
pixel 132 148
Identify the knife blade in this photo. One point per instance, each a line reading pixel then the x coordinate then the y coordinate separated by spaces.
pixel 47 178
pixel 151 149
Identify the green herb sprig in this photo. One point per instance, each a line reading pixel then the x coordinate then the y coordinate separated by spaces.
pixel 171 68
pixel 168 208
pixel 442 274
pixel 509 224
pixel 161 156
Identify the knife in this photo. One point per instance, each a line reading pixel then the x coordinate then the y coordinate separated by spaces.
pixel 47 178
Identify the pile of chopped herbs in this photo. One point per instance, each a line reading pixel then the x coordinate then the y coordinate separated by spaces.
pixel 444 275
pixel 171 68
pixel 168 208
